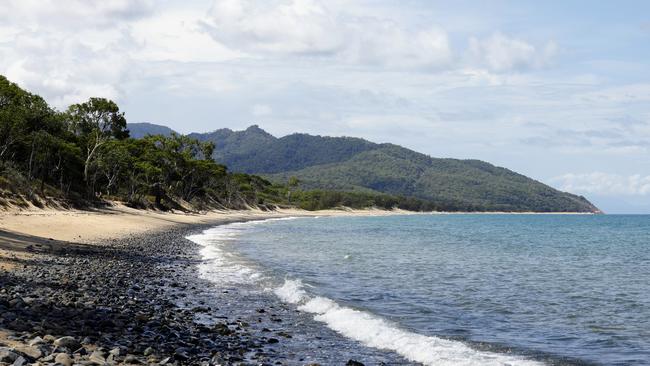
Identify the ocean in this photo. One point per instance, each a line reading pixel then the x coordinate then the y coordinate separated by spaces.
pixel 462 289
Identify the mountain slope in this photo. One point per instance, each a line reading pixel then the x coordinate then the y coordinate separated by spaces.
pixel 255 150
pixel 353 164
pixel 142 129
pixel 466 185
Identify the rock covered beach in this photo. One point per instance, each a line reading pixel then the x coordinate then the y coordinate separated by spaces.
pixel 114 304
pixel 139 300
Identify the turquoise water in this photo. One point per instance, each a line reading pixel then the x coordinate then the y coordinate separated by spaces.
pixel 486 289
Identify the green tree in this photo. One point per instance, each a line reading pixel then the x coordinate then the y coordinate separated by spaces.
pixel 113 160
pixel 13 107
pixel 96 122
pixel 21 113
pixel 292 183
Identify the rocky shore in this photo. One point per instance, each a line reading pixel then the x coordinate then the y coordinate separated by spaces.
pixel 112 304
pixel 130 301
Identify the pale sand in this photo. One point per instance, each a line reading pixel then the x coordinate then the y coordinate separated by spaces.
pixel 23 232
pixel 119 221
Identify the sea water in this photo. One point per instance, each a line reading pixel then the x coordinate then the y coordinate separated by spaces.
pixel 456 289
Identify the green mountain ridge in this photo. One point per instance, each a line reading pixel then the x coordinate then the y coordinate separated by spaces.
pixel 256 150
pixel 354 164
pixel 142 129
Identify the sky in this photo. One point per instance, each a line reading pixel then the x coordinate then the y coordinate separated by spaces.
pixel 556 90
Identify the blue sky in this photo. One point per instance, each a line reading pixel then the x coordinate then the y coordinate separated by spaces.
pixel 556 90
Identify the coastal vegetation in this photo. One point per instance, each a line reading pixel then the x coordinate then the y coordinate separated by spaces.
pixel 84 156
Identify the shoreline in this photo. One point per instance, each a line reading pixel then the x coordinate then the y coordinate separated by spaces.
pixel 130 252
pixel 388 343
pixel 23 231
pixel 70 302
pixel 130 301
pixel 119 221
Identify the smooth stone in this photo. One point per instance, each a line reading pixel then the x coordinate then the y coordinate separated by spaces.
pixel 217 359
pixel 37 340
pixel 64 359
pixel 284 334
pixel 117 351
pixel 97 357
pixel 67 342
pixel 20 361
pixel 49 338
pixel 354 363
pixel 47 358
pixel 181 354
pixel 222 329
pixel 8 356
pixel 131 359
pixel 31 351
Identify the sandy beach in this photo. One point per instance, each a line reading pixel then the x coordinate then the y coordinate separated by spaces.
pixel 25 231
pixel 118 221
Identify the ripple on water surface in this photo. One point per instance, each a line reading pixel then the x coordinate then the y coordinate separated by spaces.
pixel 458 289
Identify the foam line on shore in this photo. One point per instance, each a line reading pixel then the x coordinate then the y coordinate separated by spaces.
pixel 376 332
pixel 222 266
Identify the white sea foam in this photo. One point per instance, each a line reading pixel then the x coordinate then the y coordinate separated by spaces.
pixel 223 267
pixel 376 332
pixel 219 264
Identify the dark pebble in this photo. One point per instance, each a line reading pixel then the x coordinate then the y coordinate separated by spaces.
pixel 353 363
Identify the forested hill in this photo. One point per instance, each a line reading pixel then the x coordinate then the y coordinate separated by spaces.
pixel 255 150
pixel 353 164
pixel 142 129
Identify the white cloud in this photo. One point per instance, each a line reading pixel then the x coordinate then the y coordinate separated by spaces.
pixel 311 28
pixel 69 51
pixel 604 184
pixel 384 43
pixel 630 93
pixel 389 123
pixel 71 14
pixel 260 110
pixel 63 68
pixel 294 27
pixel 177 36
pixel 501 53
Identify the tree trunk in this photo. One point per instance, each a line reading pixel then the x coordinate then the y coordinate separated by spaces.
pixel 157 191
pixel 91 154
pixel 31 159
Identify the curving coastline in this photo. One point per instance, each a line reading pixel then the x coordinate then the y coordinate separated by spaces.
pixel 222 265
pixel 78 296
pixel 125 286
